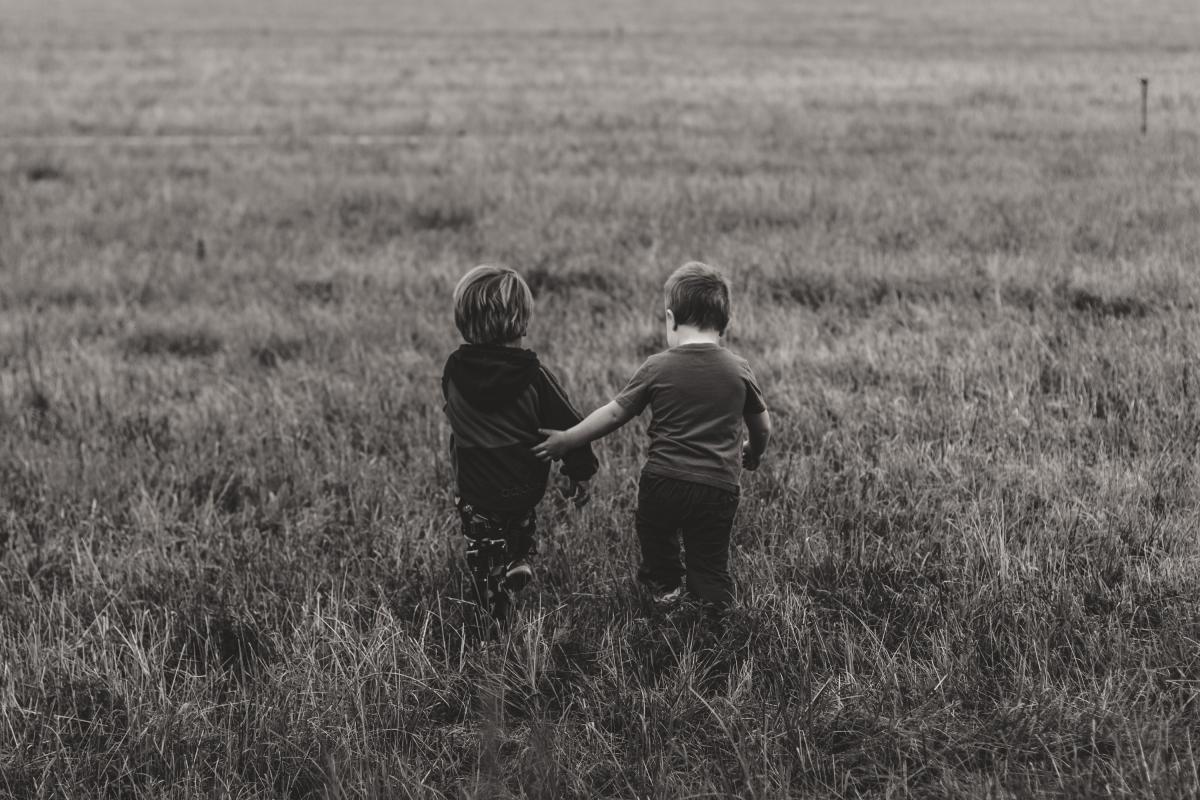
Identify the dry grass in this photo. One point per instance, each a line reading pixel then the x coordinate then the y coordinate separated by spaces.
pixel 227 561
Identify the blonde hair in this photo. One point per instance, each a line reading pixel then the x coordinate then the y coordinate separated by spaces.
pixel 492 305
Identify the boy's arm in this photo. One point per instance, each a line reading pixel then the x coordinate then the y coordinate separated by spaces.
pixel 601 422
pixel 604 420
pixel 579 462
pixel 758 425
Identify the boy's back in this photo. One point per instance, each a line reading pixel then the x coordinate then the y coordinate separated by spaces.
pixel 496 399
pixel 698 395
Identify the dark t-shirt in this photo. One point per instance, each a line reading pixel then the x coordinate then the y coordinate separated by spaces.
pixel 698 394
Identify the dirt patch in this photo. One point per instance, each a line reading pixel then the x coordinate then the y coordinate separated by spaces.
pixel 1092 304
pixel 44 171
pixel 319 290
pixel 180 343
pixel 275 350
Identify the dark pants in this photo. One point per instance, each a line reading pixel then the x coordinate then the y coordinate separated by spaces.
pixel 518 531
pixel 493 541
pixel 704 515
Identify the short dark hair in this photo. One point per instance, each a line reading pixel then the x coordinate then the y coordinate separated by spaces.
pixel 698 295
pixel 492 305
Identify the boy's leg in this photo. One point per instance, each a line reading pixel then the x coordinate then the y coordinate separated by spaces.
pixel 658 533
pixel 706 535
pixel 522 544
pixel 480 536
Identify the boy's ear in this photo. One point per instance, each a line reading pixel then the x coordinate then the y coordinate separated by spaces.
pixel 671 320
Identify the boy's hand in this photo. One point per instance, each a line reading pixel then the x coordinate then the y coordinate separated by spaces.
pixel 578 492
pixel 750 459
pixel 556 445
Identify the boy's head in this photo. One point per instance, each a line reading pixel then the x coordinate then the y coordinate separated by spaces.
pixel 698 295
pixel 492 305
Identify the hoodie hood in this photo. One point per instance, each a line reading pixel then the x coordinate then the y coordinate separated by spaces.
pixel 490 376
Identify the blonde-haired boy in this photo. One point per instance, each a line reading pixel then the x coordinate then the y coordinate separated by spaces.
pixel 699 395
pixel 497 395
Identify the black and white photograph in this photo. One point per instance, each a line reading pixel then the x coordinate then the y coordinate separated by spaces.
pixel 563 399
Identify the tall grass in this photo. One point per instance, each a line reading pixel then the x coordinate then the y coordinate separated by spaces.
pixel 228 562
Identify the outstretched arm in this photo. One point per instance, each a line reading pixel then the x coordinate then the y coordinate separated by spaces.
pixel 557 413
pixel 759 427
pixel 601 422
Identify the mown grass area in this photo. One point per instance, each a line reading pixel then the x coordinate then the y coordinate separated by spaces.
pixel 228 560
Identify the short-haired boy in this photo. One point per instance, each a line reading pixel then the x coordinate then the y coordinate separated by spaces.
pixel 699 395
pixel 497 395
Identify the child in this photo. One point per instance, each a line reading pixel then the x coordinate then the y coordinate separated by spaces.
pixel 699 394
pixel 497 395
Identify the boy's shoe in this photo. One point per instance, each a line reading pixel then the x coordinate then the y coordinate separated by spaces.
pixel 669 598
pixel 518 575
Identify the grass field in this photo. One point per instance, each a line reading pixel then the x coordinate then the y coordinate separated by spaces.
pixel 968 285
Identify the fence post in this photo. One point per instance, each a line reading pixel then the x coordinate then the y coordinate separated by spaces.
pixel 1145 93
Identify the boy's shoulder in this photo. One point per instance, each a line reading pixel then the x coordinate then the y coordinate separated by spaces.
pixel 656 362
pixel 686 357
pixel 734 358
pixel 548 375
pixel 692 366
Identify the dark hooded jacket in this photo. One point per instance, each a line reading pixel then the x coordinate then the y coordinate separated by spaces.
pixel 496 399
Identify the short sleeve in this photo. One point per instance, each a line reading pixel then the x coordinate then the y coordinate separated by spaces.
pixel 755 404
pixel 636 395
